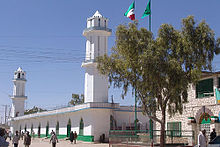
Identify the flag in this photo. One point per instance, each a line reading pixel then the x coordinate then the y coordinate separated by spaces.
pixel 147 10
pixel 130 13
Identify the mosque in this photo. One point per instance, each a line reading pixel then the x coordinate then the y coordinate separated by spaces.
pixel 96 116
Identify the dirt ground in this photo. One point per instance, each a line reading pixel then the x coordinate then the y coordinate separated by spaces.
pixel 36 142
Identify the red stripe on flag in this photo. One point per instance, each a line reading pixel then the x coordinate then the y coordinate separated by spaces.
pixel 132 17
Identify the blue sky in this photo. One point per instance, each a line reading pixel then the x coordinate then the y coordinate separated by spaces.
pixel 44 37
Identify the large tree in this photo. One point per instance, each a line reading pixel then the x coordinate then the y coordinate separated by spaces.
pixel 161 68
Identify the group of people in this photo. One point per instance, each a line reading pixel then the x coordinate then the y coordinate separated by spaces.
pixel 15 139
pixel 27 138
pixel 202 139
pixel 54 140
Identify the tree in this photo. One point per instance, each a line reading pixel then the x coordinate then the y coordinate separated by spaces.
pixel 160 69
pixel 76 99
pixel 34 110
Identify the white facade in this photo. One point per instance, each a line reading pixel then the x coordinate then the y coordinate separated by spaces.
pixel 91 119
pixel 95 116
pixel 18 97
pixel 96 33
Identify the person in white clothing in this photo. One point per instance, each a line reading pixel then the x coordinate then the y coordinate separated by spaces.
pixel 202 142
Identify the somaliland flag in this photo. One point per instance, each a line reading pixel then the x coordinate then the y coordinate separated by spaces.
pixel 130 13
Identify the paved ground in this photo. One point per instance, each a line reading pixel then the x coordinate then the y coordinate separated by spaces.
pixel 62 143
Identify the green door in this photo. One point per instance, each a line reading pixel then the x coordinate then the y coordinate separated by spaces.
pixel 68 128
pixel 57 129
pixel 47 129
pixel 81 127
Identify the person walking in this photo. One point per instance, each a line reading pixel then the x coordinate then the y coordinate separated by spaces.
pixel 71 137
pixel 3 142
pixel 15 139
pixel 33 133
pixel 53 139
pixel 213 134
pixel 27 139
pixel 202 139
pixel 75 137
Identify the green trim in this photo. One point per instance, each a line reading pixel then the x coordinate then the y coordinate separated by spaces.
pixel 61 136
pixel 190 117
pixel 85 138
pixel 208 121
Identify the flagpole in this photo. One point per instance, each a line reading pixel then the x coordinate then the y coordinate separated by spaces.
pixel 150 121
pixel 150 17
pixel 135 105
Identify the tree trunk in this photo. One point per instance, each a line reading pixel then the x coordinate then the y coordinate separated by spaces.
pixel 162 129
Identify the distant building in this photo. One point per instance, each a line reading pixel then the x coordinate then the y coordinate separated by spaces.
pixel 201 112
pixel 91 119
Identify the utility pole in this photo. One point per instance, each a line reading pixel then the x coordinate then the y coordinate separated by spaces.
pixel 6 107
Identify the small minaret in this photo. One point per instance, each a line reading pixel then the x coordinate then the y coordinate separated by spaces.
pixel 18 97
pixel 96 33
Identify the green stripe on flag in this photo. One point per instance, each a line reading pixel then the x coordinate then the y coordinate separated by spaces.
pixel 130 7
pixel 147 10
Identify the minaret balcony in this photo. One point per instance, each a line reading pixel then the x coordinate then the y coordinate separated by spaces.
pixel 97 28
pixel 19 97
pixel 91 62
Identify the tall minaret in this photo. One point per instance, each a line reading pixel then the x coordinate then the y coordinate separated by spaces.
pixel 96 33
pixel 18 97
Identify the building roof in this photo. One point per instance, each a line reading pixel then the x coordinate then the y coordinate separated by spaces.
pixel 114 106
pixel 97 14
pixel 209 73
pixel 19 69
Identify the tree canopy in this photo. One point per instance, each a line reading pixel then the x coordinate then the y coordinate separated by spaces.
pixel 76 99
pixel 34 110
pixel 161 68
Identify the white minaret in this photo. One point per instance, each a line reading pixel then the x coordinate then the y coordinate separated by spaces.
pixel 18 97
pixel 96 33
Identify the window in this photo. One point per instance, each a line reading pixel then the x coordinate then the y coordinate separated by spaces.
pixel 47 129
pixel 68 129
pixel 98 45
pixel 204 88
pixel 81 127
pixel 219 82
pixel 99 22
pixel 174 129
pixel 105 23
pixel 57 128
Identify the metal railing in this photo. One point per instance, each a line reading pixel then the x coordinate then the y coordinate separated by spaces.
pixel 148 138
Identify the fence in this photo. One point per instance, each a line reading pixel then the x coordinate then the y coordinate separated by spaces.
pixel 122 138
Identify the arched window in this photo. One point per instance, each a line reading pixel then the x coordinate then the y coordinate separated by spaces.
pixel 25 128
pixel 99 22
pixel 47 129
pixel 19 75
pixel 20 129
pixel 32 128
pixel 57 128
pixel 38 132
pixel 81 127
pixel 68 128
pixel 111 122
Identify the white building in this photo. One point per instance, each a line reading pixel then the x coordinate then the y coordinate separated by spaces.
pixel 91 119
